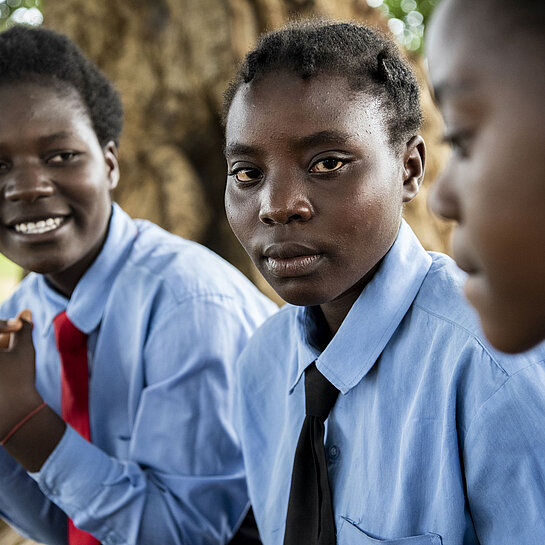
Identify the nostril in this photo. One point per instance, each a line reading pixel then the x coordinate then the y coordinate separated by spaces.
pixel 27 190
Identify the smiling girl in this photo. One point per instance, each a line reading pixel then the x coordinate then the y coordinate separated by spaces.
pixel 115 404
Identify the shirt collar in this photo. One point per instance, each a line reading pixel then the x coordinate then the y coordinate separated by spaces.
pixel 372 320
pixel 86 305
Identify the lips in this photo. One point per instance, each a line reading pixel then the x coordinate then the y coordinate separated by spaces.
pixel 290 259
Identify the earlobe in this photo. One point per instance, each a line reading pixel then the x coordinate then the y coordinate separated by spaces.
pixel 414 164
pixel 112 164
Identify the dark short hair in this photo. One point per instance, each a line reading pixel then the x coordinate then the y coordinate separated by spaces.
pixel 369 60
pixel 39 54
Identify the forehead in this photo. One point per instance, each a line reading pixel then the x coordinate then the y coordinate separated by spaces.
pixel 471 46
pixel 283 106
pixel 31 104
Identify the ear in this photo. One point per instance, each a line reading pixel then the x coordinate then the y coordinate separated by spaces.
pixel 112 164
pixel 414 165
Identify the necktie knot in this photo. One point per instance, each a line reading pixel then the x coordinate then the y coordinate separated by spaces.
pixel 68 336
pixel 320 394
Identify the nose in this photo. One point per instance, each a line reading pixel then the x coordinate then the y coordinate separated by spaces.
pixel 27 183
pixel 443 198
pixel 284 201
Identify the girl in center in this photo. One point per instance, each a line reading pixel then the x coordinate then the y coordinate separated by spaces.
pixel 430 435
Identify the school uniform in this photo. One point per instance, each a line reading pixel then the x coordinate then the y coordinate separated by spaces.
pixel 166 319
pixel 435 438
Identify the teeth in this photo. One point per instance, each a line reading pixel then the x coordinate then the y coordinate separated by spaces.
pixel 42 226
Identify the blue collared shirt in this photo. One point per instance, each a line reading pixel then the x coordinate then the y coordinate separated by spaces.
pixel 434 439
pixel 166 320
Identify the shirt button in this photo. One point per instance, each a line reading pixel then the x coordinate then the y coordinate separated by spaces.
pixel 334 452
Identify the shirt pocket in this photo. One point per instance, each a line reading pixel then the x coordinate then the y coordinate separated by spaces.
pixel 350 534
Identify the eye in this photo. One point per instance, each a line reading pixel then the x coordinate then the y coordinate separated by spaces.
pixel 459 142
pixel 245 175
pixel 329 164
pixel 4 167
pixel 62 157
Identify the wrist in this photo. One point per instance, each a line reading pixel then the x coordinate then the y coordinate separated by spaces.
pixel 21 423
pixel 32 444
pixel 13 411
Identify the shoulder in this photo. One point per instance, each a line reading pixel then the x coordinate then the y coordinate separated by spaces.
pixel 185 269
pixel 442 301
pixel 273 344
pixel 28 294
pixel 458 351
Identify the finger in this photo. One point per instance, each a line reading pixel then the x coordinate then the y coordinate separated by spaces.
pixel 21 337
pixel 25 315
pixel 11 325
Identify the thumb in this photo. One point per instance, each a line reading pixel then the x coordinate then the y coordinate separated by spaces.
pixel 24 334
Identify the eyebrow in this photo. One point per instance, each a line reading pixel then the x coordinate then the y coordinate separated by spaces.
pixel 315 139
pixel 323 137
pixel 238 149
pixel 63 135
pixel 49 139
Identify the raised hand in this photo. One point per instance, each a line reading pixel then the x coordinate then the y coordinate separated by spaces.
pixel 18 394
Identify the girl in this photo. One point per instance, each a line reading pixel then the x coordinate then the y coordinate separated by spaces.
pixel 432 438
pixel 135 330
pixel 489 84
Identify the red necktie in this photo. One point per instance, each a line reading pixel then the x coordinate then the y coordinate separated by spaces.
pixel 72 347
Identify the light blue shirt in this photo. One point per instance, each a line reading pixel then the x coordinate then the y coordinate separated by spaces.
pixel 434 439
pixel 166 320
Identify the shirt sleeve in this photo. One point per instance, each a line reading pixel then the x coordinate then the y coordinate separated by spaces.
pixel 504 457
pixel 24 506
pixel 183 482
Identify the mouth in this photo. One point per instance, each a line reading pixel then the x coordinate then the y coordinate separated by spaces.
pixel 38 227
pixel 290 260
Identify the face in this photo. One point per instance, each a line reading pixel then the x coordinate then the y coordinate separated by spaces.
pixel 494 183
pixel 55 182
pixel 314 189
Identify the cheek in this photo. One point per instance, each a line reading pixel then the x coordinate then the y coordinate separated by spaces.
pixel 368 226
pixel 240 215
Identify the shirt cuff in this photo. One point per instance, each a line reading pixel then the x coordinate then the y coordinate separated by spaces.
pixel 70 474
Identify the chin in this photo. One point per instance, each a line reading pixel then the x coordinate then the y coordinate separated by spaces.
pixel 298 293
pixel 510 343
pixel 512 323
pixel 511 337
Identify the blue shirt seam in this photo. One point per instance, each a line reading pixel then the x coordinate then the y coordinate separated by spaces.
pixel 493 394
pixel 470 334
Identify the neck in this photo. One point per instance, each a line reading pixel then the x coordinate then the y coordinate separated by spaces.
pixel 336 311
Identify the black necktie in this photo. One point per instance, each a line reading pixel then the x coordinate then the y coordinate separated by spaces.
pixel 310 519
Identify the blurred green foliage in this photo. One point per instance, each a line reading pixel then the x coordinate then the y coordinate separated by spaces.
pixel 407 19
pixel 20 11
